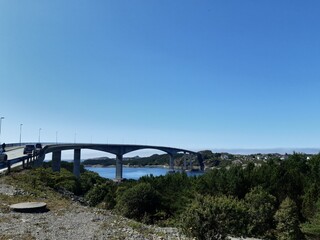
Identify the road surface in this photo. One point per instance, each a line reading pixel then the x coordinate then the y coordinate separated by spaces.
pixel 13 154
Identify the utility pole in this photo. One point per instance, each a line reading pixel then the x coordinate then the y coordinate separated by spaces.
pixel 39 135
pixel 20 132
pixel 0 126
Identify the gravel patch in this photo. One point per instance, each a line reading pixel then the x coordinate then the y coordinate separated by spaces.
pixel 79 222
pixel 7 190
pixel 75 222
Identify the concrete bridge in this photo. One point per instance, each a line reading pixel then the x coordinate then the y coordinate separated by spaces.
pixel 117 149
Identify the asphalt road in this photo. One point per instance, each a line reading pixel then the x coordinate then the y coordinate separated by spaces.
pixel 13 154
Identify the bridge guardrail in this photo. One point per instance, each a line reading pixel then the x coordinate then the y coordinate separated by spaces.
pixel 26 161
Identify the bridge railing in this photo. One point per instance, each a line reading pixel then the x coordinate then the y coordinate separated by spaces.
pixel 26 160
pixel 26 143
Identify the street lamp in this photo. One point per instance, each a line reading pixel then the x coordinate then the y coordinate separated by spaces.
pixel 20 132
pixel 56 137
pixel 0 126
pixel 39 135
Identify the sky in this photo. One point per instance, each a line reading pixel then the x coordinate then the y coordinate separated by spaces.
pixel 183 73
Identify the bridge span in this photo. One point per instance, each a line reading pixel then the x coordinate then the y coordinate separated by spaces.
pixel 117 149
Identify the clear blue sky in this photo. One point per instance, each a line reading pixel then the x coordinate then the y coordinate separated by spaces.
pixel 182 73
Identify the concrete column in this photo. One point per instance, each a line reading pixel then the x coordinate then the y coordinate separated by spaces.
pixel 56 161
pixel 76 162
pixel 119 169
pixel 39 160
pixel 171 167
pixel 185 162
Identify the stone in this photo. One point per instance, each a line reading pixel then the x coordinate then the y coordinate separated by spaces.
pixel 29 207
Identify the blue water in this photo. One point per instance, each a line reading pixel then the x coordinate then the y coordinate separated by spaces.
pixel 132 173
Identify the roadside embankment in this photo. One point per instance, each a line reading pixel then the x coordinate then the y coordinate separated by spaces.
pixel 67 219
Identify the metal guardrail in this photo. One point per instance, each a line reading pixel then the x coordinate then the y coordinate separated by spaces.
pixel 27 143
pixel 26 161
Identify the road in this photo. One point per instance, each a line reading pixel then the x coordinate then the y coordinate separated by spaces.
pixel 13 154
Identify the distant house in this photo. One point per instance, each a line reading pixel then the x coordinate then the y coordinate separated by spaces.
pixel 237 162
pixel 224 156
pixel 284 157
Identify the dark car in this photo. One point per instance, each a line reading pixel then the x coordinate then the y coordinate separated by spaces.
pixel 38 147
pixel 29 149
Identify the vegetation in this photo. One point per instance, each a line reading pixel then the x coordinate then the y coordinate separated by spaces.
pixel 209 217
pixel 140 202
pixel 155 159
pixel 288 221
pixel 275 200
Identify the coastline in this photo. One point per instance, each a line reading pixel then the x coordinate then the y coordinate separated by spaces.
pixel 138 166
pixel 128 166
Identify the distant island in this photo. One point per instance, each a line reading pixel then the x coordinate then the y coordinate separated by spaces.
pixel 156 159
pixel 211 160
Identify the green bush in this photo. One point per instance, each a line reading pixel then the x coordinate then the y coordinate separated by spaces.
pixel 102 193
pixel 288 221
pixel 210 217
pixel 312 227
pixel 89 179
pixel 261 209
pixel 139 202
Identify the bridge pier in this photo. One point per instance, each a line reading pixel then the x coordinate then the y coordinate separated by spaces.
pixel 56 161
pixel 185 162
pixel 76 162
pixel 39 159
pixel 119 168
pixel 171 163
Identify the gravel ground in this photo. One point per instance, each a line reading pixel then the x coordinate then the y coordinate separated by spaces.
pixel 75 222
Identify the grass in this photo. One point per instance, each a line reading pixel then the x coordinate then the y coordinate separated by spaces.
pixel 33 191
pixel 140 228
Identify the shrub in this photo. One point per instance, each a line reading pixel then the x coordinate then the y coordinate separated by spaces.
pixel 288 221
pixel 102 193
pixel 210 217
pixel 139 202
pixel 261 209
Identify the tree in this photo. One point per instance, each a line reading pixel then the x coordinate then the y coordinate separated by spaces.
pixel 139 202
pixel 310 198
pixel 261 209
pixel 102 192
pixel 312 226
pixel 210 217
pixel 288 221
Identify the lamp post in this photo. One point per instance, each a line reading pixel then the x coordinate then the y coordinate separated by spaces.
pixel 56 137
pixel 20 132
pixel 39 135
pixel 0 126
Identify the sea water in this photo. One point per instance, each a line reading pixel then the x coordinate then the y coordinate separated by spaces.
pixel 133 172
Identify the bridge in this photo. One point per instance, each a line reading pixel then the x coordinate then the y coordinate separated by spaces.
pixel 117 149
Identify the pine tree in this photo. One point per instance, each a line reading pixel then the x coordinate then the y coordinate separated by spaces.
pixel 288 221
